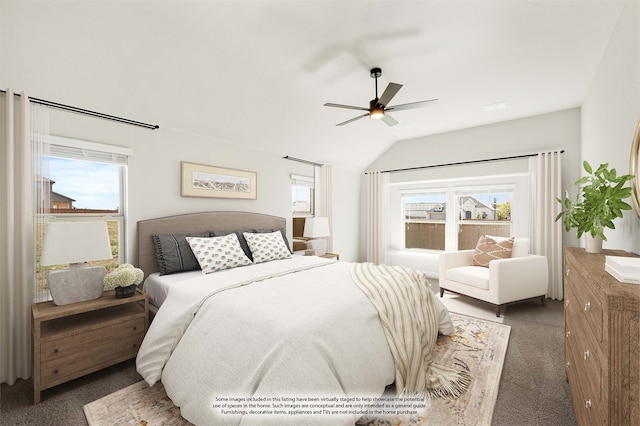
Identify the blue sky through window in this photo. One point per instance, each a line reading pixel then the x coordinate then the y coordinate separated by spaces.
pixel 91 185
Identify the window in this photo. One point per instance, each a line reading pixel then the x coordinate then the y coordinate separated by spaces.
pixel 483 211
pixel 439 219
pixel 425 218
pixel 81 181
pixel 302 195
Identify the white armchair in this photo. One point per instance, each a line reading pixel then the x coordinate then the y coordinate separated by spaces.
pixel 520 278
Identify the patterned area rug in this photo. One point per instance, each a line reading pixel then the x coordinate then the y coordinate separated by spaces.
pixel 477 346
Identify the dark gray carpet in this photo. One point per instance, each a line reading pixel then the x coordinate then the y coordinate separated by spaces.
pixel 533 388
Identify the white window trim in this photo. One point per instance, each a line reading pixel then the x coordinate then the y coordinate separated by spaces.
pixel 63 147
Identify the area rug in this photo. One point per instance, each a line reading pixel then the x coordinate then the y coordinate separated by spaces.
pixel 477 346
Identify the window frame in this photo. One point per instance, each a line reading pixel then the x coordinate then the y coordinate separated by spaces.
pixel 80 150
pixel 520 213
pixel 304 181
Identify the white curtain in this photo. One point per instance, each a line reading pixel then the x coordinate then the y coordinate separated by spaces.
pixel 17 253
pixel 545 171
pixel 377 217
pixel 324 179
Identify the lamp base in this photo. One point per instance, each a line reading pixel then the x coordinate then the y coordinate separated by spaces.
pixel 319 246
pixel 76 284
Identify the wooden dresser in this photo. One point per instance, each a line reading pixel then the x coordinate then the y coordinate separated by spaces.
pixel 72 340
pixel 602 341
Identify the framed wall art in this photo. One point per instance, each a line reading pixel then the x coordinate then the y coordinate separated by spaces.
pixel 200 180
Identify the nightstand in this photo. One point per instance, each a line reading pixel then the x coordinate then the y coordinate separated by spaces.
pixel 70 341
pixel 331 256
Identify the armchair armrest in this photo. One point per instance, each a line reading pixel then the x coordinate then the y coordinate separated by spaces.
pixel 454 259
pixel 520 277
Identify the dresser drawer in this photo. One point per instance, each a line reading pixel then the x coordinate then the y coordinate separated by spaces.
pixel 589 410
pixel 89 359
pixel 582 298
pixel 585 355
pixel 53 349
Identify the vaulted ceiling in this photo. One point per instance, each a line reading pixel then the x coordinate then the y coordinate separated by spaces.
pixel 257 73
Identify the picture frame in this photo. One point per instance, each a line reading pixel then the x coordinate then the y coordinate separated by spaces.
pixel 201 180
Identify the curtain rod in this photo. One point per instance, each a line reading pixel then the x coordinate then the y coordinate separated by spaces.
pixel 286 157
pixel 514 157
pixel 83 111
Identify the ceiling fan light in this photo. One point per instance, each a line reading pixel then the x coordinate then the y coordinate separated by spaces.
pixel 376 113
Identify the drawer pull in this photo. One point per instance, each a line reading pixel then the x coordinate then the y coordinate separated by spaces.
pixel 587 403
pixel 55 351
pixel 568 364
pixel 568 271
pixel 587 306
pixel 568 334
pixel 135 328
pixel 566 303
pixel 55 371
pixel 586 355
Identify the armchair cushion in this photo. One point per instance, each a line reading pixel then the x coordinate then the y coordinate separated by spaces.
pixel 475 276
pixel 488 249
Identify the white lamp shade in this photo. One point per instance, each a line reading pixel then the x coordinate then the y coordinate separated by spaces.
pixel 316 227
pixel 75 242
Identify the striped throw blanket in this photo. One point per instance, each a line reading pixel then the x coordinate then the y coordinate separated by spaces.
pixel 406 309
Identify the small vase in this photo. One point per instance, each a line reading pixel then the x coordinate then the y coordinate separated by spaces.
pixel 122 292
pixel 592 244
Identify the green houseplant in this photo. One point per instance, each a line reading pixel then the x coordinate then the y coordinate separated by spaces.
pixel 599 202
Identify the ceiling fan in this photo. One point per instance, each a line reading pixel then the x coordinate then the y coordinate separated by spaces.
pixel 378 107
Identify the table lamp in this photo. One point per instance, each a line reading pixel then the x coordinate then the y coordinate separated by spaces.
pixel 75 243
pixel 317 228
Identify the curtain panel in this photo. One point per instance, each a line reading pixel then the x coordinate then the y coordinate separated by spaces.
pixel 377 217
pixel 545 171
pixel 326 196
pixel 17 253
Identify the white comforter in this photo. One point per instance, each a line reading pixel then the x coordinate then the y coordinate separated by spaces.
pixel 236 333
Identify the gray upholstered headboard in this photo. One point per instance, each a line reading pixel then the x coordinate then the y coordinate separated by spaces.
pixel 197 222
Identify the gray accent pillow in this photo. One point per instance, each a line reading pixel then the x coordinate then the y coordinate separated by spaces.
pixel 173 253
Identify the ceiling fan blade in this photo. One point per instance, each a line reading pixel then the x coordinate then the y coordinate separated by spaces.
pixel 346 106
pixel 389 120
pixel 389 93
pixel 411 105
pixel 352 120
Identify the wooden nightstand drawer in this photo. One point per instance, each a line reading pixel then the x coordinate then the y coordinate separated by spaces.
pixel 92 358
pixel 72 340
pixel 53 349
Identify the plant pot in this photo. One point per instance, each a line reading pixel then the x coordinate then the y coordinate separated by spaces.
pixel 592 244
pixel 122 292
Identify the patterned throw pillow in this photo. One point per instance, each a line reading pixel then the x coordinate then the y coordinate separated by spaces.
pixel 217 253
pixel 267 246
pixel 488 249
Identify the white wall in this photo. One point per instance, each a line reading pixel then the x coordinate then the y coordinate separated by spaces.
pixel 523 136
pixel 610 113
pixel 154 176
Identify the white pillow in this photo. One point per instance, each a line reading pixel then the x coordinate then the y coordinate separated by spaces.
pixel 217 253
pixel 267 246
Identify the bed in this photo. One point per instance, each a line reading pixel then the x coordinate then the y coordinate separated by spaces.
pixel 277 329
